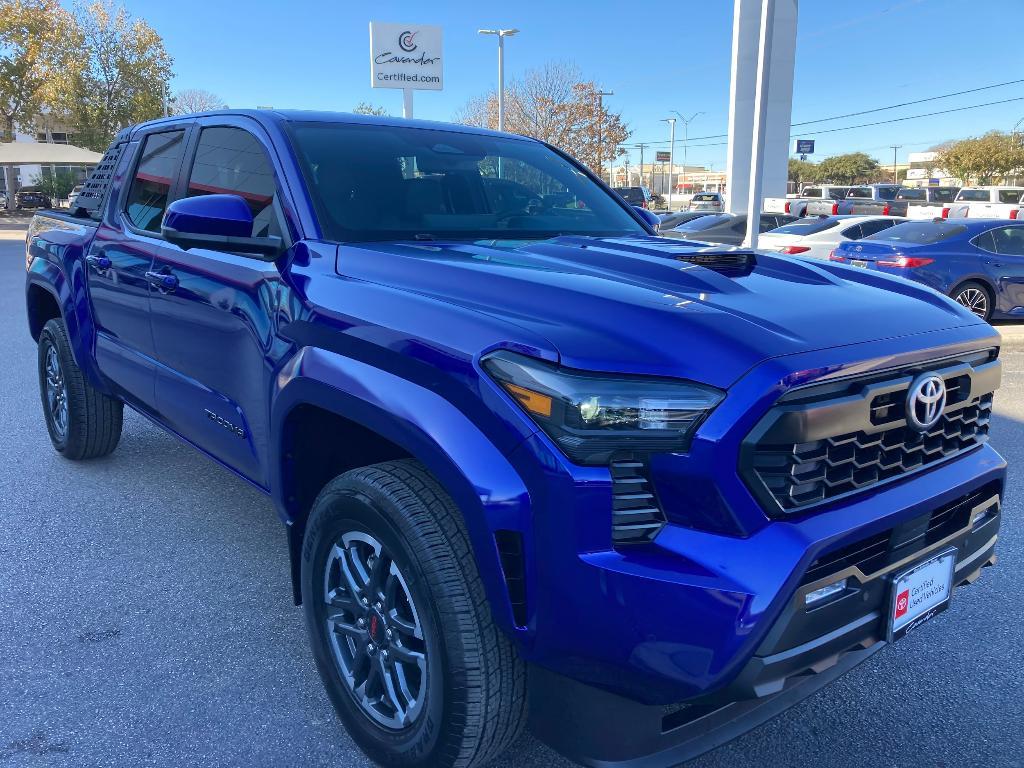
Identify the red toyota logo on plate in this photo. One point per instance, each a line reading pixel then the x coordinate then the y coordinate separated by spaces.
pixel 902 602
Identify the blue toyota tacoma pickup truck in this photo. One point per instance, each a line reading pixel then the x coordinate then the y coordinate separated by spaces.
pixel 537 464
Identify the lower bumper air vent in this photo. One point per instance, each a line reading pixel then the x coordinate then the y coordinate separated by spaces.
pixel 636 516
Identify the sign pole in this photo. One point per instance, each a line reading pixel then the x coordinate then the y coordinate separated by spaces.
pixel 407 103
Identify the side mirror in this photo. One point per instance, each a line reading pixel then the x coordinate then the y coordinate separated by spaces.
pixel 217 222
pixel 651 218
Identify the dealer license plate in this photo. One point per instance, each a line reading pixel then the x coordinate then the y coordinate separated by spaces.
pixel 921 593
pixel 859 263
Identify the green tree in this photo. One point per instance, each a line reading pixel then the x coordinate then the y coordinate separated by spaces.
pixel 802 171
pixel 33 50
pixel 365 108
pixel 983 159
pixel 121 74
pixel 56 186
pixel 848 169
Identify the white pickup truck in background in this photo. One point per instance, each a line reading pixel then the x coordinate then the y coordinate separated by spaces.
pixel 797 206
pixel 974 203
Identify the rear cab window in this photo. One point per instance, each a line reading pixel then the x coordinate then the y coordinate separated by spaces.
pixel 973 196
pixel 155 173
pixel 860 193
pixel 811 192
pixel 912 194
pixel 1009 195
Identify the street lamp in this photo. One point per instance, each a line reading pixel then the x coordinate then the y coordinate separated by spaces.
pixel 502 34
pixel 686 126
pixel 671 155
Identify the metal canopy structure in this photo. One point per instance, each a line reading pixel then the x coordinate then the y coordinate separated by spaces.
pixel 16 153
pixel 40 153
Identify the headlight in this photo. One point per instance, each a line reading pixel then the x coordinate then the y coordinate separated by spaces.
pixel 591 416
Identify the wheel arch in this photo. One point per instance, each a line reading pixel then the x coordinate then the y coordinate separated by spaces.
pixel 382 416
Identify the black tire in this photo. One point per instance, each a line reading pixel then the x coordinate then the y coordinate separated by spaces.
pixel 974 296
pixel 474 701
pixel 91 423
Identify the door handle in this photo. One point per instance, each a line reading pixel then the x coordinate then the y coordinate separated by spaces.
pixel 162 281
pixel 100 263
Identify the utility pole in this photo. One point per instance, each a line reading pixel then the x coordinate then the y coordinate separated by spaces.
pixel 600 115
pixel 671 155
pixel 895 178
pixel 686 127
pixel 642 148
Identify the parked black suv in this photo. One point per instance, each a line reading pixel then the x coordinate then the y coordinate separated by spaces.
pixel 640 196
pixel 31 198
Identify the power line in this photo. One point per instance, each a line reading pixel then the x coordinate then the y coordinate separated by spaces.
pixel 912 117
pixel 880 109
pixel 907 103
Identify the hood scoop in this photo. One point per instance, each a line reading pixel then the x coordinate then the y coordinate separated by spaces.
pixel 734 263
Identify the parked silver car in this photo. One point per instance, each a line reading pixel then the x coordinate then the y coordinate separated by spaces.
pixel 707 201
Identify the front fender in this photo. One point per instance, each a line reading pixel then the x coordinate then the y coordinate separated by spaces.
pixel 483 484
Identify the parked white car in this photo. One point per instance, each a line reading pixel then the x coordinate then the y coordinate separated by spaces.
pixel 816 237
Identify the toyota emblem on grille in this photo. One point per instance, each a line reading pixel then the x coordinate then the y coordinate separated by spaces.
pixel 925 401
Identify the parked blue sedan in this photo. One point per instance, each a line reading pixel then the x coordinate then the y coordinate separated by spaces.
pixel 978 262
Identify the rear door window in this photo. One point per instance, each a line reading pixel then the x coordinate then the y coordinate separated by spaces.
pixel 1009 240
pixel 231 161
pixel 154 176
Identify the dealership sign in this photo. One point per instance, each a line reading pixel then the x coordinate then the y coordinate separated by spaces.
pixel 803 146
pixel 406 56
pixel 662 157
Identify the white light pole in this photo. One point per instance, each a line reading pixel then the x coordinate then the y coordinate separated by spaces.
pixel 671 155
pixel 502 34
pixel 686 127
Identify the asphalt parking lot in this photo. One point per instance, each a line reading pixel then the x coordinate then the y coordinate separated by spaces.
pixel 146 619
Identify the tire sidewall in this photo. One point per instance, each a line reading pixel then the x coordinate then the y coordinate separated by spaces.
pixel 49 339
pixel 351 509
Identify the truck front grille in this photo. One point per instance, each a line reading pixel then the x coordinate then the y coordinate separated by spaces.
pixel 818 447
pixel 636 516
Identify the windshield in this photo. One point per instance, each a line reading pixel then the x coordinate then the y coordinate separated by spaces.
pixel 806 227
pixel 919 232
pixel 375 182
pixel 705 222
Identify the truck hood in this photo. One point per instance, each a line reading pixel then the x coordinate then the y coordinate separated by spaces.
pixel 640 305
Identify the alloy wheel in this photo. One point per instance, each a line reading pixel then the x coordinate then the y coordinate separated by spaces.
pixel 56 392
pixel 975 300
pixel 375 631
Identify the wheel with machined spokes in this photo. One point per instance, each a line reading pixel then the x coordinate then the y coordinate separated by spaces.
pixel 975 297
pixel 375 630
pixel 399 624
pixel 83 422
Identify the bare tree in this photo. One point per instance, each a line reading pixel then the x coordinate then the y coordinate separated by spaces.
pixel 195 100
pixel 366 108
pixel 554 104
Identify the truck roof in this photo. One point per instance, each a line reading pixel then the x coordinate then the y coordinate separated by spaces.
pixel 278 116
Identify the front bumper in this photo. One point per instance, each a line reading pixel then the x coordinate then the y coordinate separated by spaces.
pixel 805 649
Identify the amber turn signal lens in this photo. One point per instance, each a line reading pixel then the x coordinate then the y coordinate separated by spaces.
pixel 532 401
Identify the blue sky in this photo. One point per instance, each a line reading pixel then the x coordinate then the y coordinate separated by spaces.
pixel 656 57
